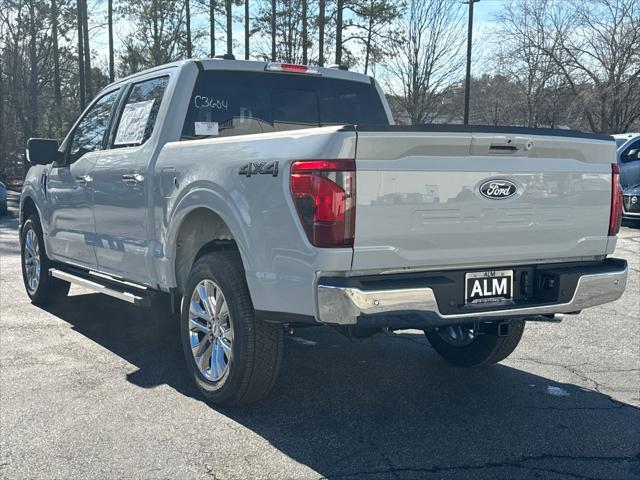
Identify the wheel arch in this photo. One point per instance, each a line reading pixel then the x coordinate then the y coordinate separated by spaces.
pixel 27 208
pixel 197 230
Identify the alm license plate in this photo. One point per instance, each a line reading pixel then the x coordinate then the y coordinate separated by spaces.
pixel 489 286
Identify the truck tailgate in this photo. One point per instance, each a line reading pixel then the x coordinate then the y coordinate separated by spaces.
pixel 451 196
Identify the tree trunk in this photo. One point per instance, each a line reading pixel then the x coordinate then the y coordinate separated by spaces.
pixel 368 45
pixel 321 22
pixel 339 13
pixel 112 73
pixel 155 52
pixel 57 89
pixel 188 22
pixel 247 30
pixel 273 30
pixel 229 28
pixel 305 41
pixel 212 27
pixel 82 80
pixel 3 127
pixel 87 51
pixel 33 77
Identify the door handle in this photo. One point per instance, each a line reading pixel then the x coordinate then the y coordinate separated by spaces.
pixel 133 179
pixel 84 179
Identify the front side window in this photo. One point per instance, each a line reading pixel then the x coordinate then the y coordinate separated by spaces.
pixel 631 153
pixel 89 134
pixel 140 112
pixel 227 103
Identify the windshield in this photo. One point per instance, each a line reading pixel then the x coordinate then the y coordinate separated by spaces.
pixel 226 103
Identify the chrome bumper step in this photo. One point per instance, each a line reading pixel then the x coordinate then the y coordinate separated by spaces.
pixel 343 305
pixel 110 288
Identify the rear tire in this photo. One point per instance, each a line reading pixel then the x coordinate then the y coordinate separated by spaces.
pixel 233 357
pixel 41 287
pixel 469 346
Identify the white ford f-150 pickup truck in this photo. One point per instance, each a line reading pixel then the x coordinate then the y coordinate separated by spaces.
pixel 264 196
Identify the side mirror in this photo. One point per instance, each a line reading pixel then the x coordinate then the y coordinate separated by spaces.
pixel 42 151
pixel 635 153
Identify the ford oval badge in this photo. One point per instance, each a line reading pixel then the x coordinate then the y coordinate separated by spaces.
pixel 498 189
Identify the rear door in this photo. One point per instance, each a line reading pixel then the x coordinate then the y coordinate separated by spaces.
pixel 445 199
pixel 121 185
pixel 70 189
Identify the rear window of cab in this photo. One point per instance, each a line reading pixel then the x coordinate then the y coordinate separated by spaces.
pixel 226 103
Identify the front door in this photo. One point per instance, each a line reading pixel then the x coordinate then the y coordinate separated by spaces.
pixel 121 187
pixel 69 188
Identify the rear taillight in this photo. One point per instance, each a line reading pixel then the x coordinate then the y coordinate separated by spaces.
pixel 324 193
pixel 615 217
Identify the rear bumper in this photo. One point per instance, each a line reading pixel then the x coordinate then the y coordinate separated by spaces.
pixel 594 284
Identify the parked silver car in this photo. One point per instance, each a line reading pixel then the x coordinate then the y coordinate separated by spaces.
pixel 628 153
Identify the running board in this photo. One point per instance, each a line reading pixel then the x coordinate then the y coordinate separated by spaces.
pixel 141 300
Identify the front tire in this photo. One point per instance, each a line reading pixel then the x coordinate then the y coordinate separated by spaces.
pixel 41 287
pixel 472 346
pixel 233 357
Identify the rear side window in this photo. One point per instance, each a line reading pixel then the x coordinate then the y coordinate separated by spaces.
pixel 140 112
pixel 241 103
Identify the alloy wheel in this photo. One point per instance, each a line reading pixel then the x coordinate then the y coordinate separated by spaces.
pixel 210 330
pixel 32 260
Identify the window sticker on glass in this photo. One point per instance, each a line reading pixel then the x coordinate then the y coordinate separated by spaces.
pixel 133 123
pixel 206 128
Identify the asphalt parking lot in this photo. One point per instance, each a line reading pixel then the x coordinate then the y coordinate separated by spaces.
pixel 94 388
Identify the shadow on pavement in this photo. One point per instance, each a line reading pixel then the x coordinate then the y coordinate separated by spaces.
pixel 390 407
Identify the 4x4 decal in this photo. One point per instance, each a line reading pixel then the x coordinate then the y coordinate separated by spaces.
pixel 259 168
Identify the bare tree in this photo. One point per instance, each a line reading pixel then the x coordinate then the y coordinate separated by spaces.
pixel 274 16
pixel 247 29
pixel 112 67
pixel 517 42
pixel 321 26
pixel 212 27
pixel 81 67
pixel 596 46
pixel 373 28
pixel 339 28
pixel 229 17
pixel 305 39
pixel 86 49
pixel 159 35
pixel 187 7
pixel 287 31
pixel 428 58
pixel 57 87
